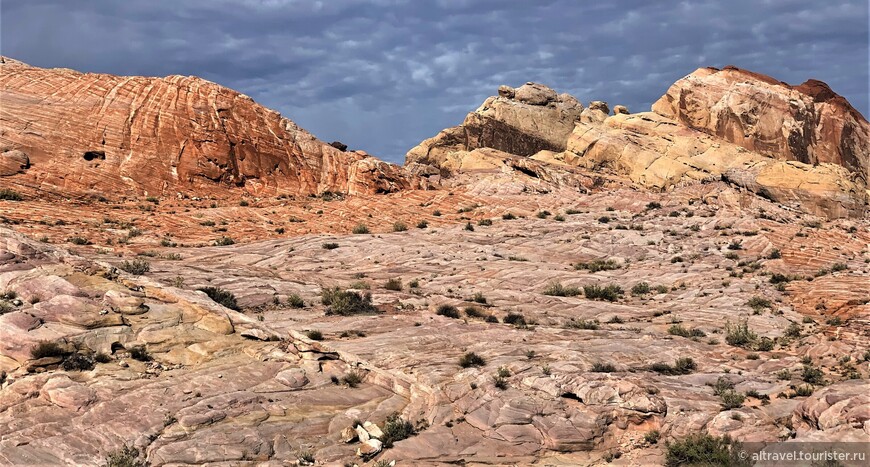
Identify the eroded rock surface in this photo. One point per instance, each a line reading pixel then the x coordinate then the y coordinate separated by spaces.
pixel 106 135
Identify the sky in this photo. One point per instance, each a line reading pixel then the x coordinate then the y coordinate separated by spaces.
pixel 382 75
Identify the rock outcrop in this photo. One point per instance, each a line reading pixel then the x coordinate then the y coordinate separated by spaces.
pixel 803 146
pixel 808 123
pixel 520 121
pixel 108 135
pixel 659 153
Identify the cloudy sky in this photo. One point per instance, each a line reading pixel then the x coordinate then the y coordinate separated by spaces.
pixel 381 75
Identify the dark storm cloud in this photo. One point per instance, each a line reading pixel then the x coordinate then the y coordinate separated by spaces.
pixel 384 74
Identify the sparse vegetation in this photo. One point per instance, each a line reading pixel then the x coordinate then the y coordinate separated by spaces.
pixel 352 378
pixel 224 241
pixel 679 330
pixel 140 353
pixel 221 296
pixel 346 302
pixel 599 367
pixel 471 359
pixel 137 267
pixel 558 290
pixel 329 246
pixel 396 429
pixel 127 456
pixel 681 366
pixel 703 449
pixel 314 335
pixel 641 288
pixel 449 311
pixel 360 229
pixel 399 227
pixel 515 319
pixel 7 194
pixel 609 292
pixel 44 349
pixel 598 265
pixel 739 335
pixel 393 284
pixel 295 301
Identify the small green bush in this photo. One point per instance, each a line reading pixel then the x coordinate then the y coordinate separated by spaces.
pixel 314 335
pixel 360 229
pixel 609 293
pixel 44 349
pixel 79 241
pixel 471 359
pixel 140 353
pixel 703 449
pixel 128 456
pixel 474 312
pixel 399 227
pixel 449 311
pixel 352 378
pixel 295 301
pixel 10 195
pixel 484 222
pixel 598 265
pixel 137 267
pixel 731 399
pixel 423 224
pixel 393 284
pixel 599 367
pixel 558 290
pixel 224 241
pixel 515 319
pixel 346 303
pixel 396 429
pixel 739 335
pixel 221 296
pixel 641 288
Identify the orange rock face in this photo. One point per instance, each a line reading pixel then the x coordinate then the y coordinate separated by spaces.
pixel 112 135
pixel 808 123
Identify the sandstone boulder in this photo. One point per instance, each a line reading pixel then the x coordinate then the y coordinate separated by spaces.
pixel 808 123
pixel 13 162
pixel 522 122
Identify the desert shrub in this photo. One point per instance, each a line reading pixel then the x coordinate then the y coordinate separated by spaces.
pixel 221 296
pixel 314 335
pixel 491 319
pixel 484 222
pixel 837 267
pixel 128 456
pixel 449 311
pixel 329 246
pixel 504 372
pixel 652 437
pixel 835 321
pixel 469 227
pixel 543 214
pixel 599 367
pixel 681 366
pixel 396 429
pixel 399 227
pixel 735 245
pixel 572 211
pixel 471 359
pixel 604 219
pixel 759 303
pixel 393 284
pixel 739 335
pixel 423 224
pixel 414 284
pixel 101 357
pixel 721 385
pixel 436 213
pixel 591 324
pixel 79 241
pixel 609 292
pixel 558 290
pixel 305 458
pixel 508 216
pixel 346 303
pixel 137 267
pixel 500 382
pixel 352 378
pixel 679 330
pixel 653 205
pixel 615 320
pixel 515 319
pixel 812 375
pixel 360 229
pixel 731 399
pixel 479 298
pixel 598 265
pixel 44 349
pixel 224 241
pixel 474 312
pixel 10 195
pixel 793 330
pixel 78 362
pixel 774 254
pixel 765 344
pixel 804 390
pixel 295 301
pixel 140 353
pixel 777 278
pixel 703 449
pixel 244 203
pixel 641 288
